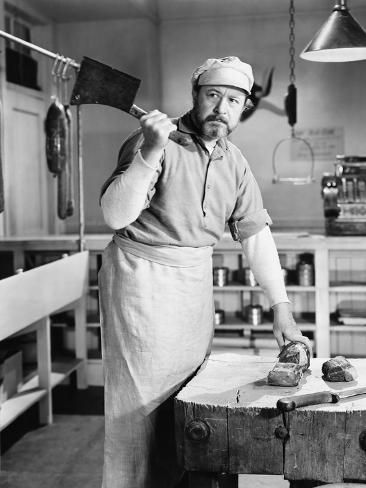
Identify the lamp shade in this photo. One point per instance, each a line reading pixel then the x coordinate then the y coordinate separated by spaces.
pixel 340 39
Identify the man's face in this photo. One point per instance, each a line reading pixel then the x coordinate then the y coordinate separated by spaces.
pixel 217 110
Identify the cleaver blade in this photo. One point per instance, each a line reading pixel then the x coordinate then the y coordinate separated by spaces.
pixel 96 83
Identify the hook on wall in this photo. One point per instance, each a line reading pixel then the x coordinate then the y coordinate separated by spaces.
pixel 57 66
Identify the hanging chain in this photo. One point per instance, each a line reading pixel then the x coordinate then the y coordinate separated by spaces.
pixel 292 42
pixel 292 51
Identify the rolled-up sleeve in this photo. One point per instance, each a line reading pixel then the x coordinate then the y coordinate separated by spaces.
pixel 249 216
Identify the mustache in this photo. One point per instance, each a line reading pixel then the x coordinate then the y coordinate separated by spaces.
pixel 216 118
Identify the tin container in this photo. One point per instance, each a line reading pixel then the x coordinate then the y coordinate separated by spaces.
pixel 220 276
pixel 219 317
pixel 285 275
pixel 253 314
pixel 305 274
pixel 246 276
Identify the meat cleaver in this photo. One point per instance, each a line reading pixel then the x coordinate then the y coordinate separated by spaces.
pixel 287 404
pixel 97 83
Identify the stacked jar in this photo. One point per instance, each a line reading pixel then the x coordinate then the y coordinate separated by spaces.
pixel 220 276
pixel 305 270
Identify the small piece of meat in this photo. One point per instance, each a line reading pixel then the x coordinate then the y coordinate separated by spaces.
pixel 285 374
pixel 339 369
pixel 295 352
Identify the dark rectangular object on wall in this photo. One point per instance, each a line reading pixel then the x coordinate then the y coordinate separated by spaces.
pixel 335 228
pixel 21 69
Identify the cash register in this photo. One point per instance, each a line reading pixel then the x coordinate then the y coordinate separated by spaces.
pixel 344 196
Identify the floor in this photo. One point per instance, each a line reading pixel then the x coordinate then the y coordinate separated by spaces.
pixel 69 453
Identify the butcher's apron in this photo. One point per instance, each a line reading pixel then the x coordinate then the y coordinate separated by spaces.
pixel 157 326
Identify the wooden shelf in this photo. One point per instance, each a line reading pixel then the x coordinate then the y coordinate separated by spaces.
pixel 19 403
pixel 93 325
pixel 348 328
pixel 92 320
pixel 30 393
pixel 347 288
pixel 246 342
pixel 257 345
pixel 239 287
pixel 236 325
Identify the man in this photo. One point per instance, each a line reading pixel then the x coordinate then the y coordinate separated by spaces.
pixel 169 205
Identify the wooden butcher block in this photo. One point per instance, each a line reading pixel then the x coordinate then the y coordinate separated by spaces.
pixel 227 422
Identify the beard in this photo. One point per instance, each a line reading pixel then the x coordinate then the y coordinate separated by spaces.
pixel 212 126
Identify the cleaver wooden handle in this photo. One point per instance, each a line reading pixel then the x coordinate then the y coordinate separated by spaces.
pixel 178 137
pixel 287 404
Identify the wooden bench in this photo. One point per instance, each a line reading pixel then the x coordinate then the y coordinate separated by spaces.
pixel 26 302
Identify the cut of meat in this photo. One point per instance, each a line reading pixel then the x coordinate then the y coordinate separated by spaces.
pixel 295 352
pixel 285 374
pixel 339 369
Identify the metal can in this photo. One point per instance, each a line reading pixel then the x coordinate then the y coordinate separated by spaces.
pixel 253 314
pixel 305 274
pixel 220 276
pixel 285 275
pixel 246 276
pixel 219 317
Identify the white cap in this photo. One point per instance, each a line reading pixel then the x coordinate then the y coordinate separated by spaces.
pixel 224 71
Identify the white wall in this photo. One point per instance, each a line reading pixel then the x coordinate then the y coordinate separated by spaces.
pixel 328 95
pixel 164 56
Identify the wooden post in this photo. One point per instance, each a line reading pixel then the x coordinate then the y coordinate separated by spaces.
pixel 322 346
pixel 44 369
pixel 80 342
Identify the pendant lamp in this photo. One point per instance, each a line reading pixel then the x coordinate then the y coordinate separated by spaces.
pixel 340 39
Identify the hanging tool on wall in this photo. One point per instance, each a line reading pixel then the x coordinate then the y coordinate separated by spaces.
pixel 290 102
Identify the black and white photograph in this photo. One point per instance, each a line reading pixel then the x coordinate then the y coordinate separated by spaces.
pixel 182 243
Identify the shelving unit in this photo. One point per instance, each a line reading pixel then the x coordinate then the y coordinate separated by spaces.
pixel 236 324
pixel 26 302
pixel 31 392
pixel 233 296
pixel 319 301
pixel 347 269
pixel 29 251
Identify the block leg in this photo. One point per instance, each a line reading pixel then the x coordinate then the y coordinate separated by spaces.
pixel 212 480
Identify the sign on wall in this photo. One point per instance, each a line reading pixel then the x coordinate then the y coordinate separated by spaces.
pixel 326 143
